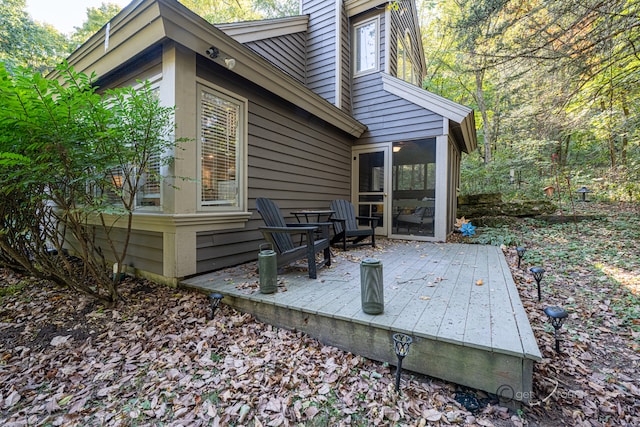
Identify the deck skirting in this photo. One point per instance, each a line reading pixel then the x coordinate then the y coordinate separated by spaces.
pixel 469 334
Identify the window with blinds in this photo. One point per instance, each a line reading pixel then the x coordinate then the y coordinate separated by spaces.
pixel 148 193
pixel 219 149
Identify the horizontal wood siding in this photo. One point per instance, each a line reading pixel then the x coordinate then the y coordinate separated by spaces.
pixel 383 48
pixel 346 62
pixel 295 159
pixel 286 52
pixel 321 47
pixel 143 253
pixel 388 117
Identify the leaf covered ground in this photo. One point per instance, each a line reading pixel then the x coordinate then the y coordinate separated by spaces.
pixel 157 359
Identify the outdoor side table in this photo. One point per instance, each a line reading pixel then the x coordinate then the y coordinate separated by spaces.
pixel 313 216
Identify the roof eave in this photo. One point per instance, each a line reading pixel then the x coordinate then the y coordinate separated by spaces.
pixel 354 7
pixel 446 108
pixel 250 31
pixel 145 23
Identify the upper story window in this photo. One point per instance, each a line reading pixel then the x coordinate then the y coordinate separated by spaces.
pixel 221 148
pixel 366 46
pixel 405 70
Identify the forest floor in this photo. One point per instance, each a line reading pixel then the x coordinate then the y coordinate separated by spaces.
pixel 157 360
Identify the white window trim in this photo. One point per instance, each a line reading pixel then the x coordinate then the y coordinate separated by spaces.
pixel 242 149
pixel 356 47
pixel 154 83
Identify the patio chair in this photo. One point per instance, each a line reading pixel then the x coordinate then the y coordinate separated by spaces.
pixel 420 217
pixel 279 235
pixel 345 225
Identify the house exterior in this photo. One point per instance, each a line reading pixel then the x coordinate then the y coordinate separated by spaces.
pixel 303 110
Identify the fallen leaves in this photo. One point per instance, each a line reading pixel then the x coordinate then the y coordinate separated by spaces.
pixel 156 359
pixel 165 363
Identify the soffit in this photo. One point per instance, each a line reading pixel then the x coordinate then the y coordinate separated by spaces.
pixel 355 7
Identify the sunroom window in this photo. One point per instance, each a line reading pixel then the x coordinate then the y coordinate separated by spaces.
pixel 366 54
pixel 221 148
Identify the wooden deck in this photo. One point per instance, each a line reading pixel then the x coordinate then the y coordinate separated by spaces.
pixel 468 332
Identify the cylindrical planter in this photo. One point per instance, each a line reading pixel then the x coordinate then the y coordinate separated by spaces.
pixel 371 289
pixel 267 269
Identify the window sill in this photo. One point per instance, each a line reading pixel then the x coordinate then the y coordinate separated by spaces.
pixel 206 221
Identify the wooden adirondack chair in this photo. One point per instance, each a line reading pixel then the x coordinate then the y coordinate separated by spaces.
pixel 345 223
pixel 279 234
pixel 420 217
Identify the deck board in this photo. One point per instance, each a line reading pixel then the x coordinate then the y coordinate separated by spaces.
pixel 478 317
pixel 471 334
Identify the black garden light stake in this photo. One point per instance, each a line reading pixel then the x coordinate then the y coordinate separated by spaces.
pixel 556 316
pixel 520 250
pixel 538 272
pixel 401 343
pixel 215 299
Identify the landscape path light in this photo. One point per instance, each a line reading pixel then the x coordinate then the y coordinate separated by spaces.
pixel 215 299
pixel 583 191
pixel 401 344
pixel 520 250
pixel 557 316
pixel 538 272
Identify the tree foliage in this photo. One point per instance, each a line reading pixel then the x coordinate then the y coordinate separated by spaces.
pixel 97 17
pixel 557 78
pixel 26 43
pixel 224 11
pixel 71 164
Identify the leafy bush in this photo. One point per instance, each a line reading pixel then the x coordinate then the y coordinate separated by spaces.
pixel 71 164
pixel 496 236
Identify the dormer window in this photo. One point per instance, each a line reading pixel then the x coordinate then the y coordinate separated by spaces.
pixel 366 46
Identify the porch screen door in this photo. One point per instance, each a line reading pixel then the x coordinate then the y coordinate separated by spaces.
pixel 371 177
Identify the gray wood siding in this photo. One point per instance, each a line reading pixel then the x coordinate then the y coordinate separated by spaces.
pixel 388 117
pixel 286 52
pixel 346 62
pixel 321 47
pixel 144 251
pixel 294 158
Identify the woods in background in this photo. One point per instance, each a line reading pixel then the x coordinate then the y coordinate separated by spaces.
pixel 554 84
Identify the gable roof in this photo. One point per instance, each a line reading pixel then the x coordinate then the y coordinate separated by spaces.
pixel 462 117
pixel 146 23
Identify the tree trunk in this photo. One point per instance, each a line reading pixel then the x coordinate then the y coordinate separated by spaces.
pixel 625 138
pixel 610 141
pixel 485 117
pixel 564 151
